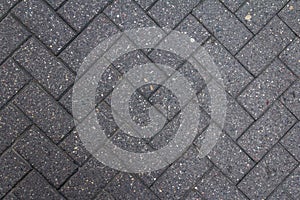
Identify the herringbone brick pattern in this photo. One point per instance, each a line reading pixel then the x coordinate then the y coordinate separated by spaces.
pixel 255 44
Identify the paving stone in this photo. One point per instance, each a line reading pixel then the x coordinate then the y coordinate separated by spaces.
pixel 291 141
pixel 12 169
pixel 265 46
pixel 172 184
pixel 35 187
pixel 215 185
pixel 99 29
pixel 12 35
pixel 256 14
pixel 193 195
pixel 234 75
pixel 279 194
pixel 5 5
pixel 291 56
pixel 291 99
pixel 12 79
pixel 233 5
pixel 223 24
pixel 193 28
pixel 12 124
pixel 79 13
pixel 237 119
pixel 74 147
pixel 228 157
pixel 10 196
pixel 267 174
pixel 290 15
pixel 35 15
pixel 128 15
pixel 45 156
pixel 55 3
pixel 66 100
pixel 126 186
pixel 291 185
pixel 265 89
pixel 145 4
pixel 45 112
pixel 149 178
pixel 104 196
pixel 44 67
pixel 169 13
pixel 266 131
pixel 88 181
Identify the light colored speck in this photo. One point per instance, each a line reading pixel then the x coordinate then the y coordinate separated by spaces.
pixel 248 17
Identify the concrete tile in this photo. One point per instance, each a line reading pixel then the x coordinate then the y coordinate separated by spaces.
pixel 291 141
pixel 6 5
pixel 79 13
pixel 12 79
pixel 145 4
pixel 12 169
pixel 12 35
pixel 291 99
pixel 291 185
pixel 265 46
pixel 291 56
pixel 223 24
pixel 233 5
pixel 44 67
pixel 265 89
pixel 256 14
pixel 266 131
pixel 45 112
pixel 290 15
pixel 47 158
pixel 267 174
pixel 88 181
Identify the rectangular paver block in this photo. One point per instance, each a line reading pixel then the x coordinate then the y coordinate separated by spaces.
pixel 290 14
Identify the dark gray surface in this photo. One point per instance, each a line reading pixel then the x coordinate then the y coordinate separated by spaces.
pixel 255 45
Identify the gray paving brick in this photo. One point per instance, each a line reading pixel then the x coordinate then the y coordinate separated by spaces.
pixel 10 196
pixel 215 185
pixel 193 28
pixel 290 15
pixel 12 35
pixel 223 24
pixel 100 29
pixel 44 67
pixel 265 46
pixel 291 141
pixel 291 99
pixel 172 184
pixel 35 187
pixel 5 5
pixel 265 89
pixel 79 13
pixel 291 185
pixel 12 124
pixel 66 100
pixel 266 131
pixel 12 169
pixel 279 194
pixel 237 119
pixel 193 195
pixel 232 161
pixel 12 79
pixel 169 13
pixel 47 158
pixel 55 3
pixel 149 178
pixel 267 174
pixel 104 195
pixel 291 56
pixel 234 75
pixel 74 147
pixel 145 4
pixel 35 15
pixel 233 5
pixel 126 186
pixel 256 14
pixel 44 111
pixel 128 15
pixel 88 181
